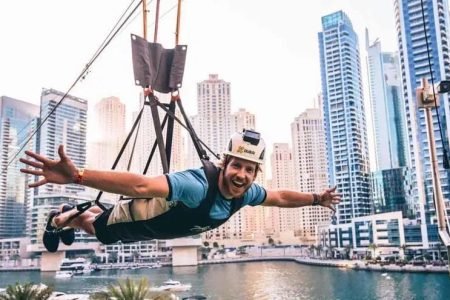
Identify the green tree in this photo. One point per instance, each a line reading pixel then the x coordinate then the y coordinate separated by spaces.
pixel 206 244
pixel 373 247
pixel 347 249
pixel 136 256
pixel 319 249
pixel 215 245
pixel 27 291
pixel 113 256
pixel 131 290
pixel 15 258
pixel 270 241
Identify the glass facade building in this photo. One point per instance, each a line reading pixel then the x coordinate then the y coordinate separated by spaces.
pixel 18 120
pixel 423 46
pixel 387 107
pixel 65 126
pixel 344 116
pixel 391 191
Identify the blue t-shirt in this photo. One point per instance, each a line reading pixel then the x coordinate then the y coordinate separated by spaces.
pixel 190 187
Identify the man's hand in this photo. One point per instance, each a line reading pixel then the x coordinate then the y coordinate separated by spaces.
pixel 61 172
pixel 329 198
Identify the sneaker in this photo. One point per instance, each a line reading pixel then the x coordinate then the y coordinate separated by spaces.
pixel 67 236
pixel 50 239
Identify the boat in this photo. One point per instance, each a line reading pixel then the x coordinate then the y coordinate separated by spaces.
pixel 63 274
pixel 64 296
pixel 77 266
pixel 172 286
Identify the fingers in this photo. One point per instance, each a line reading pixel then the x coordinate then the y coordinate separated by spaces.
pixel 38 183
pixel 332 207
pixel 61 152
pixel 330 190
pixel 32 163
pixel 32 172
pixel 37 157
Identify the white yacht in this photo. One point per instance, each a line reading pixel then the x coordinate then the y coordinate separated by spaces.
pixel 172 286
pixel 64 296
pixel 63 274
pixel 77 266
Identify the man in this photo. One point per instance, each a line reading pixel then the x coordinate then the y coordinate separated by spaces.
pixel 171 205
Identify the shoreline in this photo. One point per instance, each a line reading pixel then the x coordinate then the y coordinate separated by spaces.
pixel 343 264
pixel 334 263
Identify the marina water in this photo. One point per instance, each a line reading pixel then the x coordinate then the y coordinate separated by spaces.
pixel 260 280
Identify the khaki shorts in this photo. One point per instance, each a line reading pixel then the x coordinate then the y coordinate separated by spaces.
pixel 117 222
pixel 137 210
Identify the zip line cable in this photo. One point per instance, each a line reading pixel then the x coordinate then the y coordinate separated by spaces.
pixel 80 76
pixel 444 148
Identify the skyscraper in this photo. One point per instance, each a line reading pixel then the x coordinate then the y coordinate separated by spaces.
pixel 17 121
pixel 344 115
pixel 66 125
pixel 107 138
pixel 310 166
pixel 387 107
pixel 423 46
pixel 283 178
pixel 214 111
pixel 109 123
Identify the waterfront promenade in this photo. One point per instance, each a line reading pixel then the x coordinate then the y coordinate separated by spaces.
pixel 336 263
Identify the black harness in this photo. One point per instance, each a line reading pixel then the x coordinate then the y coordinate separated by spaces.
pixel 180 220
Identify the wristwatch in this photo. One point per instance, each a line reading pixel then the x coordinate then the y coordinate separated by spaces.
pixel 316 200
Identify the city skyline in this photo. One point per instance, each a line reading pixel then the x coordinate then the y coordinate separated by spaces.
pixel 269 46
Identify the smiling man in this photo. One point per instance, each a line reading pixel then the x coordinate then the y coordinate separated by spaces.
pixel 170 205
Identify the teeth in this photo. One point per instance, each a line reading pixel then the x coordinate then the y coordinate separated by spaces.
pixel 237 183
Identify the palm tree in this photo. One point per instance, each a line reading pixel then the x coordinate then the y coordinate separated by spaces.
pixel 348 248
pixel 15 258
pixel 112 257
pixel 131 290
pixel 373 247
pixel 319 249
pixel 403 248
pixel 136 256
pixel 28 291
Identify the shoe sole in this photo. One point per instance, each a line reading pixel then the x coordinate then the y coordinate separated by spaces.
pixel 50 238
pixel 67 236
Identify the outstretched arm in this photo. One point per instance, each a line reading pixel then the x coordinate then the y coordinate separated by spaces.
pixel 287 198
pixel 64 171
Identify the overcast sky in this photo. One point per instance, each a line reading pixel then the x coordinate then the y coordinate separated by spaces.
pixel 268 50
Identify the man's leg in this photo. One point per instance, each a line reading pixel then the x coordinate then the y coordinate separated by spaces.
pixel 84 221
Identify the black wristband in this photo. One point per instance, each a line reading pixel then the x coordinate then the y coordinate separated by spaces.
pixel 316 200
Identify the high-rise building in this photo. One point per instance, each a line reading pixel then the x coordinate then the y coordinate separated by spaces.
pixel 388 118
pixel 283 178
pixel 344 116
pixel 17 121
pixel 310 166
pixel 65 125
pixel 242 119
pixel 109 124
pixel 62 124
pixel 423 30
pixel 214 111
pixel 107 139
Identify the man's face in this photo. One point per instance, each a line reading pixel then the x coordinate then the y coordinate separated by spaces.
pixel 237 177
